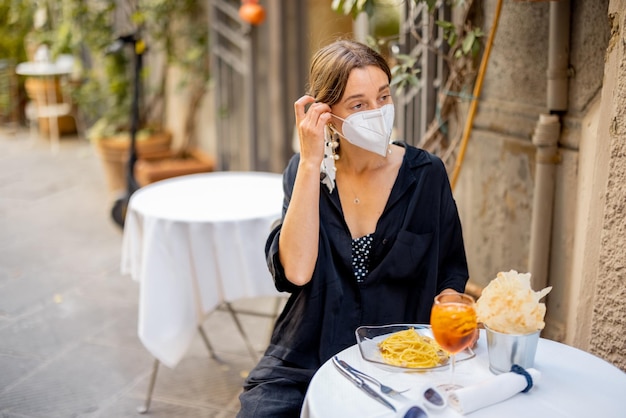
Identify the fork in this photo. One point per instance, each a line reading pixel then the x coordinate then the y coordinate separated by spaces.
pixel 383 388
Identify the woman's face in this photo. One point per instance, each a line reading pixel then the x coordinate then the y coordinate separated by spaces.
pixel 367 88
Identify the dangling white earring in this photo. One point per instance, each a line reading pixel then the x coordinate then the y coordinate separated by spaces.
pixel 327 167
pixel 334 144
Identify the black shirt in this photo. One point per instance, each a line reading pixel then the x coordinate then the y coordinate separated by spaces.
pixel 417 251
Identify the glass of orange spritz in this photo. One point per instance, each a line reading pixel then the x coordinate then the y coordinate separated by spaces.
pixel 453 323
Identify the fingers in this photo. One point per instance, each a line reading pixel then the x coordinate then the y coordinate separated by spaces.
pixel 315 112
pixel 302 104
pixel 311 119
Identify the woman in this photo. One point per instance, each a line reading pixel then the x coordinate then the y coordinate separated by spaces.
pixel 372 243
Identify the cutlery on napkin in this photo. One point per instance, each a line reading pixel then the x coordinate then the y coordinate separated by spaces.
pixel 491 391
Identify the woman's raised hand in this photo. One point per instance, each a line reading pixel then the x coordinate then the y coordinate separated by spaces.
pixel 311 123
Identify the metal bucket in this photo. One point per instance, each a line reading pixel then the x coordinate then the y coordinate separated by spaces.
pixel 508 349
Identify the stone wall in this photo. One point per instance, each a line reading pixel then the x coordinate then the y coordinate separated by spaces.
pixel 608 324
pixel 496 186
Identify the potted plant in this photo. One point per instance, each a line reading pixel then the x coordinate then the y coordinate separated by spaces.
pixel 27 31
pixel 181 27
pixel 106 72
pixel 15 23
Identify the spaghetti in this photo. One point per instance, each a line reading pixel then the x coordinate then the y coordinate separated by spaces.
pixel 410 349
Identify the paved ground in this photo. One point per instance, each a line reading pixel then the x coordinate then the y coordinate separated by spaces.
pixel 68 318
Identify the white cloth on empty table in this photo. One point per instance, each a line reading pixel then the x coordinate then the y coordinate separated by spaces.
pixel 194 242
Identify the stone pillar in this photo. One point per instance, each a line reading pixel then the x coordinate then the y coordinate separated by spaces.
pixel 599 319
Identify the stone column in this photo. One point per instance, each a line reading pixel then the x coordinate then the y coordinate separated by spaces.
pixel 599 323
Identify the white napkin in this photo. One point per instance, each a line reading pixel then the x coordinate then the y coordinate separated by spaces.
pixel 488 392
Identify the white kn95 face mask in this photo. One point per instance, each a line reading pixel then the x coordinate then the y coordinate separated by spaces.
pixel 370 129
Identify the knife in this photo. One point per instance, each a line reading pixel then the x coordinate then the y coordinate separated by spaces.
pixel 358 382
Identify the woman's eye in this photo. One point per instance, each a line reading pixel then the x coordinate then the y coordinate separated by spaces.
pixel 357 106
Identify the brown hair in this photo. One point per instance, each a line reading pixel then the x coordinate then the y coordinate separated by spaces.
pixel 332 64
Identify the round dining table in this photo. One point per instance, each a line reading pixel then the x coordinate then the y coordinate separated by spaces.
pixel 194 242
pixel 45 68
pixel 573 383
pixel 47 103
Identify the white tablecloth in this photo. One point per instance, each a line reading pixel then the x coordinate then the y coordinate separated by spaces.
pixel 573 384
pixel 44 68
pixel 194 242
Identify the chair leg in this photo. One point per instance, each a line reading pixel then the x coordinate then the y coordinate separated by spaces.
pixel 208 345
pixel 53 117
pixel 144 408
pixel 31 116
pixel 53 124
pixel 243 334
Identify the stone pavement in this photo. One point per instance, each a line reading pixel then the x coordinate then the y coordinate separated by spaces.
pixel 68 318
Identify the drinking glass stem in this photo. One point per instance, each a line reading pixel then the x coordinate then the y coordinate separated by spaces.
pixel 452 364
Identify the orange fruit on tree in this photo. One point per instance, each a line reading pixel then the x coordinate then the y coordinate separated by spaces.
pixel 252 13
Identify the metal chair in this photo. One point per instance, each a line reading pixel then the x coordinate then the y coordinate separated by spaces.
pixel 227 306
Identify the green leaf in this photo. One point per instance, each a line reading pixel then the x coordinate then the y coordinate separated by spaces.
pixel 368 6
pixel 353 7
pixel 475 48
pixel 431 4
pixel 468 42
pixel 445 24
pixel 452 39
pixel 348 5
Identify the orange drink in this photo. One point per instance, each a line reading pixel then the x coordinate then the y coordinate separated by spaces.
pixel 453 325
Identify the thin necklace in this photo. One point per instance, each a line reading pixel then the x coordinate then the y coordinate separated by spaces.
pixel 356 200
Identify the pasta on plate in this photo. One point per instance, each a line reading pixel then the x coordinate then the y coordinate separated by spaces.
pixel 404 348
pixel 409 349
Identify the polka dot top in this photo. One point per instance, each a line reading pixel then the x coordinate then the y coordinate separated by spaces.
pixel 361 256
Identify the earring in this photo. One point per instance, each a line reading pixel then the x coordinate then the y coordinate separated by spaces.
pixel 334 145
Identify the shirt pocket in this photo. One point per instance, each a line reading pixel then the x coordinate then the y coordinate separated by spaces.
pixel 408 259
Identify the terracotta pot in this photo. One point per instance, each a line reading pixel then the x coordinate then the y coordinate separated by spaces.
pixel 150 169
pixel 114 153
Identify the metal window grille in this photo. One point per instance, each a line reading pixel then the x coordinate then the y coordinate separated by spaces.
pixel 259 71
pixel 418 107
pixel 232 68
